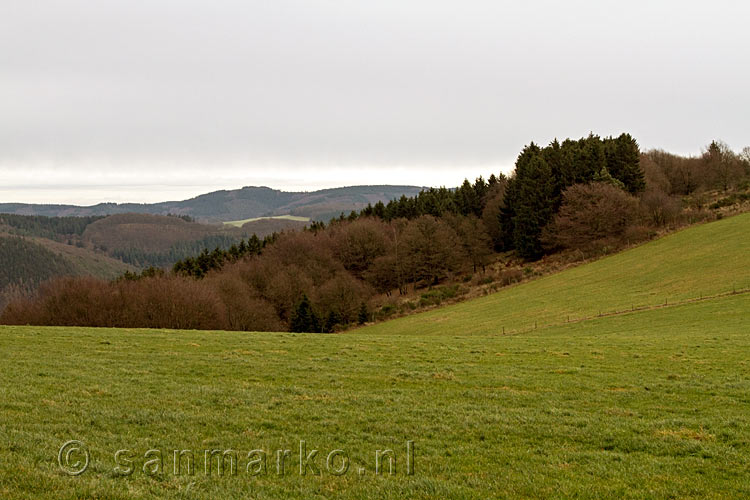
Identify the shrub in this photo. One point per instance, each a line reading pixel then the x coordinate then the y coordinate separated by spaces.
pixel 595 214
pixel 659 208
pixel 510 276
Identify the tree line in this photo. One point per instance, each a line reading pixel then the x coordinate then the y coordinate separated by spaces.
pixel 579 197
pixel 25 264
pixel 54 228
pixel 179 251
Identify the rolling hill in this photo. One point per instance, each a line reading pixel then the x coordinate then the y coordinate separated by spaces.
pixel 238 204
pixel 646 403
pixel 693 263
pixel 154 240
pixel 26 262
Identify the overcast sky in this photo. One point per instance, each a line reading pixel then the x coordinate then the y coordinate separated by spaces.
pixel 152 100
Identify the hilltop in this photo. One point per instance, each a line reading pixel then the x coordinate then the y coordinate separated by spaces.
pixel 231 205
pixel 29 261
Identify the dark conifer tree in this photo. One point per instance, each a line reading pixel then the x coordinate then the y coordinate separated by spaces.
pixel 304 319
pixel 513 195
pixel 591 158
pixel 332 321
pixel 624 162
pixel 529 203
pixel 254 245
pixel 480 193
pixel 363 315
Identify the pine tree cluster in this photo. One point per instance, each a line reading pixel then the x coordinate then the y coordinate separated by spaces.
pixel 534 192
pixel 206 261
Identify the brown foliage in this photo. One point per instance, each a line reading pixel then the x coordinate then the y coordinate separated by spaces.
pixel 724 168
pixel 245 309
pixel 596 214
pixel 386 274
pixel 343 294
pixel 359 243
pixel 472 234
pixel 685 175
pixel 431 250
pixel 161 302
pixel 658 208
pixel 147 232
pixel 510 276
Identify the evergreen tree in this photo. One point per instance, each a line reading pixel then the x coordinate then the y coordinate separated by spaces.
pixel 591 158
pixel 363 315
pixel 605 177
pixel 242 248
pixel 304 318
pixel 623 158
pixel 529 203
pixel 553 155
pixel 480 191
pixel 512 196
pixel 254 245
pixel 332 320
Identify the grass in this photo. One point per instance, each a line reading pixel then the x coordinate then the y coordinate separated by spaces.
pixel 649 404
pixel 697 262
pixel 240 223
pixel 644 404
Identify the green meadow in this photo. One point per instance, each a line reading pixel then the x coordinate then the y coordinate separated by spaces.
pixel 646 403
pixel 240 223
pixel 698 262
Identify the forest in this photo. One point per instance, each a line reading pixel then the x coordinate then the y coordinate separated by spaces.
pixel 571 200
pixel 53 228
pixel 21 259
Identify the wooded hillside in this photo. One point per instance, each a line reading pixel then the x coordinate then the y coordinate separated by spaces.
pixel 564 202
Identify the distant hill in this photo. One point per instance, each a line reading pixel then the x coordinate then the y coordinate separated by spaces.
pixel 238 204
pixel 155 240
pixel 140 240
pixel 25 262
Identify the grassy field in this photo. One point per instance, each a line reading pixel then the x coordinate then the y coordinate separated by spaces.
pixel 240 223
pixel 696 262
pixel 650 404
pixel 644 404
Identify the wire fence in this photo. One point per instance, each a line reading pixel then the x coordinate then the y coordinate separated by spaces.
pixel 570 319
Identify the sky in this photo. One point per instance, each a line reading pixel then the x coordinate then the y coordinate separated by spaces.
pixel 110 100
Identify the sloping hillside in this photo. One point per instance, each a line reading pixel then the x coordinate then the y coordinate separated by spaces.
pixel 149 233
pixel 85 261
pixel 230 205
pixel 697 262
pixel 145 240
pixel 25 262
